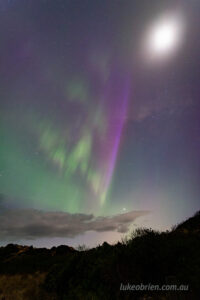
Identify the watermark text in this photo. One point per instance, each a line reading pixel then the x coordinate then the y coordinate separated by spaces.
pixel 153 287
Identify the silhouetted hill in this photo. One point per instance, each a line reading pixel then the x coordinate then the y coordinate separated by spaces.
pixel 24 259
pixel 147 257
pixel 192 224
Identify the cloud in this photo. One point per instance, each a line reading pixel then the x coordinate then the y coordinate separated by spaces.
pixel 17 223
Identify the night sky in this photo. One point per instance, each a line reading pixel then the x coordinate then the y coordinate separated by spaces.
pixel 99 118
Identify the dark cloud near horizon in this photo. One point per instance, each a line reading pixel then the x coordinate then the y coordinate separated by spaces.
pixel 17 223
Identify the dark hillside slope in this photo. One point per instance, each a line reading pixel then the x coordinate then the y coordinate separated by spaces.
pixel 147 257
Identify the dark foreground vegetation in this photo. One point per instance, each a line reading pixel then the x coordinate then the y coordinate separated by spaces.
pixel 147 257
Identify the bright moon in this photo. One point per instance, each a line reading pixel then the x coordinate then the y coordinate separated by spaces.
pixel 164 36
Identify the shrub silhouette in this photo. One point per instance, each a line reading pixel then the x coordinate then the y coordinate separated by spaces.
pixel 145 256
